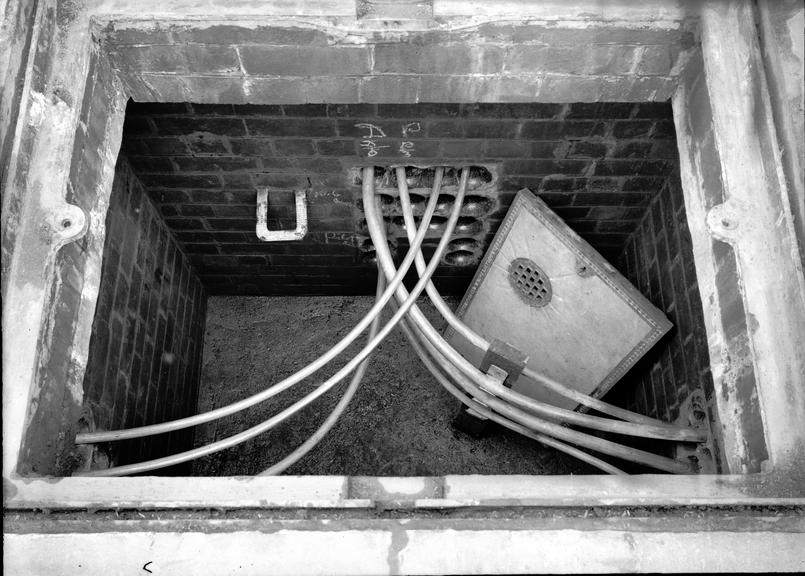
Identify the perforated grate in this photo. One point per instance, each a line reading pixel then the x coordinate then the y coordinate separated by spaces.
pixel 530 282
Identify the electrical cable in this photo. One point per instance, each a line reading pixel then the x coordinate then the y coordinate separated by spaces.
pixel 485 412
pixel 266 425
pixel 339 409
pixel 659 429
pixel 654 429
pixel 332 353
pixel 455 360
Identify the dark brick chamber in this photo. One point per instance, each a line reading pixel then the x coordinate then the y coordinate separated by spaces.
pixel 610 170
pixel 597 165
pixel 148 332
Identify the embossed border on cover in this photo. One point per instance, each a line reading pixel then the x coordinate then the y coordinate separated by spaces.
pixel 526 200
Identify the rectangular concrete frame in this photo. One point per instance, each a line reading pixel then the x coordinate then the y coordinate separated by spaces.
pixel 739 209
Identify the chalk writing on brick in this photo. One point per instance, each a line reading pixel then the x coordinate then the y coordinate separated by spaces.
pixel 374 131
pixel 371 147
pixel 406 148
pixel 368 143
pixel 411 128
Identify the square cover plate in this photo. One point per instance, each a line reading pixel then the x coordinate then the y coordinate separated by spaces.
pixel 545 291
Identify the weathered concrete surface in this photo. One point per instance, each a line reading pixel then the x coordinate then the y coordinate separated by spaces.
pixel 245 8
pixel 657 13
pixel 749 270
pixel 455 491
pixel 17 33
pixel 782 41
pixel 44 218
pixel 311 60
pixel 509 543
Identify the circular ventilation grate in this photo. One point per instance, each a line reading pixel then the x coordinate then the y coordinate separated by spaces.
pixel 530 282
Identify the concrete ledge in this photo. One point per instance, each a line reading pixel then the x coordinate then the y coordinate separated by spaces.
pixel 171 493
pixel 654 11
pixel 341 492
pixel 224 8
pixel 642 490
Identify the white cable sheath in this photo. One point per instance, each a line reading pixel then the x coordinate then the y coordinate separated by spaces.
pixel 178 424
pixel 478 380
pixel 266 425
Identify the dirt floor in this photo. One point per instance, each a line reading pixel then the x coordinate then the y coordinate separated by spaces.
pixel 398 424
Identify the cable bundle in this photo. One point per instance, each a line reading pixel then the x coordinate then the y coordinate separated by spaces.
pixel 483 392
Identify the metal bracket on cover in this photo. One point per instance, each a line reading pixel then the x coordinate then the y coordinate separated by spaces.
pixel 506 358
pixel 502 362
pixel 263 233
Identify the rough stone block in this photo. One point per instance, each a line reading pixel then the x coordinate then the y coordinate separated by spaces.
pixel 654 60
pixel 389 89
pixel 400 58
pixel 233 34
pixel 305 90
pixel 305 60
pixel 580 60
pixel 453 88
pixel 188 58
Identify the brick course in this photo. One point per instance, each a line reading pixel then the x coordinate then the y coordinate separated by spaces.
pixel 145 351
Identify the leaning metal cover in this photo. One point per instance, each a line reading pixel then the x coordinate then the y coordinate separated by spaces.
pixel 545 291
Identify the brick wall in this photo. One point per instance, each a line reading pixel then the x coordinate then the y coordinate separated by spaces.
pixel 597 165
pixel 148 331
pixel 658 260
